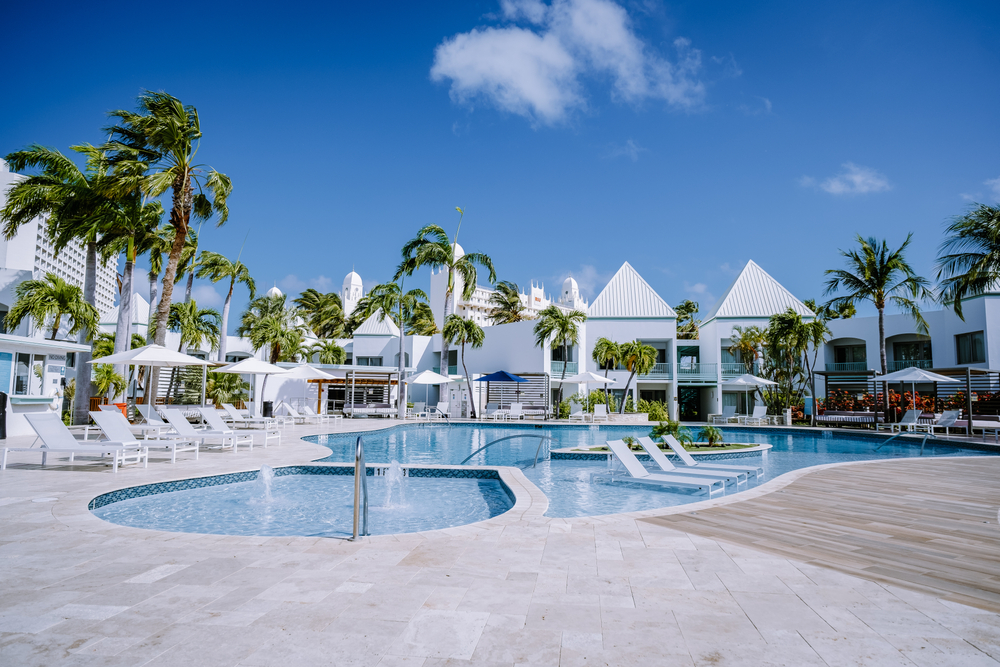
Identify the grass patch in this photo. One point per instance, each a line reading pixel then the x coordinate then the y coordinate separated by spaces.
pixel 697 447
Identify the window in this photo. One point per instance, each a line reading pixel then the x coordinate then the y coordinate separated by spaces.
pixel 912 351
pixel 655 395
pixel 847 354
pixel 369 361
pixel 557 353
pixel 971 348
pixel 71 360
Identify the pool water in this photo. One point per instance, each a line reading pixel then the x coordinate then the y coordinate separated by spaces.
pixel 567 483
pixel 313 505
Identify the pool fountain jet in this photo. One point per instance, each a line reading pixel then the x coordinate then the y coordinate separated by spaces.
pixel 264 479
pixel 394 480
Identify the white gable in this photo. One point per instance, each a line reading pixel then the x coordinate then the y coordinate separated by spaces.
pixel 754 293
pixel 375 326
pixel 628 295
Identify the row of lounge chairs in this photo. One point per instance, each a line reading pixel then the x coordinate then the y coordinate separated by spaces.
pixel 729 415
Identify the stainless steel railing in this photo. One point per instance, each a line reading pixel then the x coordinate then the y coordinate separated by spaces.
pixel 360 492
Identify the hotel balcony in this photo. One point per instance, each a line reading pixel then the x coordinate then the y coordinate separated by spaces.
pixel 452 370
pixel 736 369
pixel 571 368
pixel 908 363
pixel 659 372
pixel 848 366
pixel 697 373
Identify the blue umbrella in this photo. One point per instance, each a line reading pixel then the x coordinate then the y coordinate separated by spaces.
pixel 501 376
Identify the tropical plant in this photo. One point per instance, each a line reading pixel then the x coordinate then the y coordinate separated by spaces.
pixel 153 150
pixel 607 354
pixel 226 388
pixel 881 276
pixel 687 324
pixel 323 313
pixel 268 323
pixel 106 380
pixel 197 326
pixel 432 248
pixel 747 343
pixel 218 267
pixel 786 340
pixel 328 352
pixel 670 427
pixel 53 298
pixel 843 311
pixel 595 397
pixel 104 344
pixel 639 359
pixel 559 329
pixel 656 410
pixel 421 322
pixel 461 332
pixel 969 259
pixel 711 435
pixel 506 304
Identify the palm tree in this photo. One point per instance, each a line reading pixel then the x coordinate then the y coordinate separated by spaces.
pixel 816 334
pixel 216 267
pixel 196 325
pixel 432 248
pixel 422 323
pixel 159 245
pixel 162 138
pixel 560 330
pixel 843 311
pixel 687 325
pixel 226 388
pixel 970 261
pixel 747 342
pixel 506 302
pixel 105 344
pixel 74 202
pixel 268 322
pixel 52 297
pixel 787 341
pixel 639 359
pixel 879 275
pixel 323 313
pixel 389 300
pixel 607 354
pixel 107 380
pixel 328 352
pixel 461 331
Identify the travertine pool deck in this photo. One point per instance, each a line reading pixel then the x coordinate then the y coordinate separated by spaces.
pixel 519 589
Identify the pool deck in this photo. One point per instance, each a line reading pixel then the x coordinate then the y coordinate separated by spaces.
pixel 708 584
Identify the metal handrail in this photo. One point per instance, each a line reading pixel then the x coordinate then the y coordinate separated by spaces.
pixel 360 491
pixel 511 437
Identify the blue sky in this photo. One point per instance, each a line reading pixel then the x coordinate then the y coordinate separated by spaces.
pixel 685 138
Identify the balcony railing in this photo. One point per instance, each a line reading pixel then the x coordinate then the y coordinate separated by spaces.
pixel 697 372
pixel 571 368
pixel 659 372
pixel 909 363
pixel 848 366
pixel 735 369
pixel 452 370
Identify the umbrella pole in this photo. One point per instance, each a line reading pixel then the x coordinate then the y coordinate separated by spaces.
pixel 204 382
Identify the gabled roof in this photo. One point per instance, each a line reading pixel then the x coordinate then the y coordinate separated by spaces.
pixel 375 326
pixel 754 293
pixel 628 295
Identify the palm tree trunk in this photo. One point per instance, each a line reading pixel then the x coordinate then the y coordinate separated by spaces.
pixel 153 292
pixel 225 321
pixel 81 400
pixel 621 408
pixel 468 382
pixel 881 339
pixel 564 354
pixel 123 328
pixel 55 325
pixel 445 343
pixel 190 285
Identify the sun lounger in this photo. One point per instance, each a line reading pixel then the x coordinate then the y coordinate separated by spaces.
pixel 239 421
pixel 728 413
pixel 228 438
pixel 638 473
pixel 215 422
pixel 57 439
pixel 685 456
pixel 281 420
pixel 909 422
pixel 309 412
pixel 116 428
pixel 580 416
pixel 600 413
pixel 300 418
pixel 946 421
pixel 516 411
pixel 758 417
pixel 441 410
pixel 664 464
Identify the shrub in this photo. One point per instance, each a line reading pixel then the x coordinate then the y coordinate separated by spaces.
pixel 711 435
pixel 564 409
pixel 670 427
pixel 656 410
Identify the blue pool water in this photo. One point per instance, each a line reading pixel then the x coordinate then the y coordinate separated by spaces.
pixel 567 483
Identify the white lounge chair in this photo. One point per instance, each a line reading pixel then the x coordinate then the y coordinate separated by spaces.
pixel 117 429
pixel 417 411
pixel 910 422
pixel 491 411
pixel 638 473
pixel 57 439
pixel 321 418
pixel 600 413
pixel 228 438
pixel 728 413
pixel 442 410
pixel 685 456
pixel 300 418
pixel 580 416
pixel 239 421
pixel 946 421
pixel 516 411
pixel 215 422
pixel 758 417
pixel 280 420
pixel 664 464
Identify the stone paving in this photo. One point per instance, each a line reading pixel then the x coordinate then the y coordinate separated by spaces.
pixel 519 589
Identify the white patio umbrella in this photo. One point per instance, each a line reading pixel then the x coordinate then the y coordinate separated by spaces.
pixel 156 355
pixel 251 366
pixel 428 377
pixel 747 380
pixel 305 372
pixel 913 376
pixel 587 377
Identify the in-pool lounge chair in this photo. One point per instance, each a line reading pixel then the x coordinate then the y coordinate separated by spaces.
pixel 116 429
pixel 57 439
pixel 689 461
pixel 909 422
pixel 228 438
pixel 600 413
pixel 664 464
pixel 638 473
pixel 728 412
pixel 215 422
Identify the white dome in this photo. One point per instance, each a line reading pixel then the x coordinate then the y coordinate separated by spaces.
pixel 352 279
pixel 274 291
pixel 569 285
pixel 459 250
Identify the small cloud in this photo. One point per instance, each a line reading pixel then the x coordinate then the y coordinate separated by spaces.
pixel 587 277
pixel 761 107
pixel 321 283
pixel 971 198
pixel 206 296
pixel 292 284
pixel 728 270
pixel 994 185
pixel 699 292
pixel 730 67
pixel 629 149
pixel 853 180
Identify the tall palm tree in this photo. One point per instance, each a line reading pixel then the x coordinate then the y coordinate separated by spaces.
pixel 639 359
pixel 687 324
pixel 560 330
pixel 389 300
pixel 422 323
pixel 323 313
pixel 51 297
pixel 159 246
pixel 461 332
pixel 969 263
pixel 787 340
pixel 432 248
pixel 155 147
pixel 75 203
pixel 269 323
pixel 607 354
pixel 328 352
pixel 197 326
pixel 747 342
pixel 217 267
pixel 881 276
pixel 506 302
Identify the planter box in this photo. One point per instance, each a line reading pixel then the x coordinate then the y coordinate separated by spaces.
pixel 629 418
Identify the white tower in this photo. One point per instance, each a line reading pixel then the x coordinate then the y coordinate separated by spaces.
pixel 570 296
pixel 351 292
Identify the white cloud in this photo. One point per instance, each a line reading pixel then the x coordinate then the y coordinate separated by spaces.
pixel 206 296
pixel 853 180
pixel 292 284
pixel 535 71
pixel 588 279
pixel 699 292
pixel 629 149
pixel 994 185
pixel 762 107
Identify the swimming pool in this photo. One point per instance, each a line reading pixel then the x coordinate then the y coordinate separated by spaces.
pixel 567 483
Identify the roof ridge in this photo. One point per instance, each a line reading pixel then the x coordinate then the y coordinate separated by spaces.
pixel 628 294
pixel 756 293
